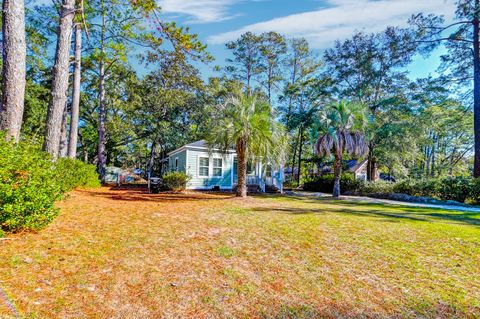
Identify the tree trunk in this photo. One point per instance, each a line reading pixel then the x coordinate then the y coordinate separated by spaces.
pixel 58 97
pixel 151 160
pixel 63 147
pixel 337 172
pixel 102 160
pixel 249 76
pixel 14 68
pixel 427 164
pixel 300 147
pixel 371 165
pixel 476 88
pixel 432 170
pixel 294 158
pixel 269 84
pixel 241 148
pixel 77 77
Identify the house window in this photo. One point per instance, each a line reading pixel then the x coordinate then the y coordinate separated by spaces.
pixel 268 171
pixel 217 167
pixel 176 164
pixel 203 166
pixel 250 168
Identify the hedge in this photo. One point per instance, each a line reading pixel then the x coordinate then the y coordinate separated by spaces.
pixel 324 183
pixel 460 189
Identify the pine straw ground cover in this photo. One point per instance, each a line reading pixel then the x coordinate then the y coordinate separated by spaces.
pixel 127 254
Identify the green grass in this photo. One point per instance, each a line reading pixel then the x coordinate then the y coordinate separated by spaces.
pixel 112 254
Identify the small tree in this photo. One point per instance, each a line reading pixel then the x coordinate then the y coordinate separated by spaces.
pixel 248 123
pixel 341 130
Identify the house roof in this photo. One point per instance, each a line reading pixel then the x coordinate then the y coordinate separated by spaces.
pixel 357 166
pixel 199 144
pixel 353 166
pixel 202 144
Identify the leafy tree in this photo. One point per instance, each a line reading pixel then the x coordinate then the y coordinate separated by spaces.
pixel 168 102
pixel 245 65
pixel 248 123
pixel 273 48
pixel 117 28
pixel 303 92
pixel 461 64
pixel 341 128
pixel 369 69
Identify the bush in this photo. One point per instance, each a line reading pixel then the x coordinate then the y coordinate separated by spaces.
pixel 28 187
pixel 176 181
pixel 30 183
pixel 422 187
pixel 460 189
pixel 324 183
pixel 74 173
pixel 378 187
pixel 456 188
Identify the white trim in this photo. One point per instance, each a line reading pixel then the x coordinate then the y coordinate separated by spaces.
pixel 232 162
pixel 362 165
pixel 175 161
pixel 199 148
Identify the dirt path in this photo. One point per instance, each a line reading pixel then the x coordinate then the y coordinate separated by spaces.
pixel 364 199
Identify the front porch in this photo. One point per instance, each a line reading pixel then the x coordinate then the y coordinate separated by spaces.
pixel 265 178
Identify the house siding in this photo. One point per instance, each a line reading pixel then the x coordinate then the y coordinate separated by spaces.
pixel 197 182
pixel 182 161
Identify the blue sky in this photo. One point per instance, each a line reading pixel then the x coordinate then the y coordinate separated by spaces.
pixel 321 22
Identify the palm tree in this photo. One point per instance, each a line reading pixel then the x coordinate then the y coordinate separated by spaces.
pixel 342 126
pixel 248 123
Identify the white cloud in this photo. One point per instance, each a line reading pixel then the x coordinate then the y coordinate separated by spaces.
pixel 200 11
pixel 341 18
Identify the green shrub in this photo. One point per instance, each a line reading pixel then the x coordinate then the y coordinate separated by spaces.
pixel 28 187
pixel 474 194
pixel 176 181
pixel 456 188
pixel 422 187
pixel 30 183
pixel 324 183
pixel 459 188
pixel 74 173
pixel 379 187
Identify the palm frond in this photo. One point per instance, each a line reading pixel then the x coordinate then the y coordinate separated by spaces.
pixel 249 119
pixel 341 129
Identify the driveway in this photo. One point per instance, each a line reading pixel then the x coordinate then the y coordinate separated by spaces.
pixel 364 199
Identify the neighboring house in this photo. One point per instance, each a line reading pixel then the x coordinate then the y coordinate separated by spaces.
pixel 218 170
pixel 358 169
pixel 117 175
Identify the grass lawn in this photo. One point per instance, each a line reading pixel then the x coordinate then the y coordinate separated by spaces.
pixel 126 254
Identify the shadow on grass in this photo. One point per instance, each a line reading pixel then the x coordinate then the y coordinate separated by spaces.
pixel 387 212
pixel 142 195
